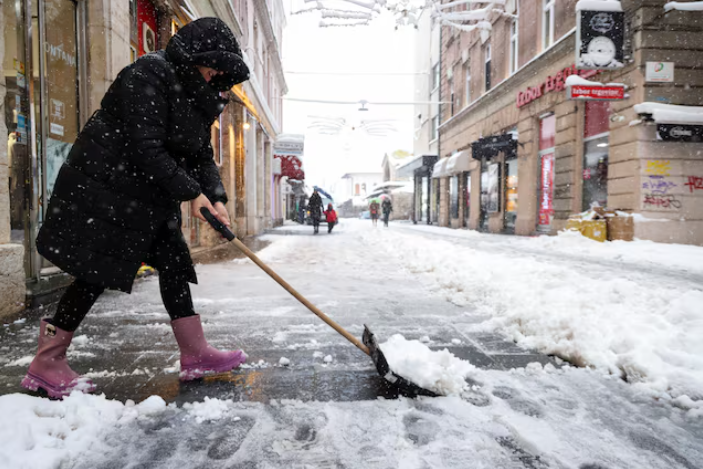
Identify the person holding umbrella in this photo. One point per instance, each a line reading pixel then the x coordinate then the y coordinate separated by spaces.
pixel 315 209
pixel 116 201
pixel 386 208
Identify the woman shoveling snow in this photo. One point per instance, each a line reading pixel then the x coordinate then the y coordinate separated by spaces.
pixel 116 202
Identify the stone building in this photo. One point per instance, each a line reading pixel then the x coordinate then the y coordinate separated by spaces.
pixel 517 156
pixel 60 56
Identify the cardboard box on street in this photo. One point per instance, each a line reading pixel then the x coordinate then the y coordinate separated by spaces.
pixel 621 228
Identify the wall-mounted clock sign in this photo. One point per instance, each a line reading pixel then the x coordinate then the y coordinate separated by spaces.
pixel 600 38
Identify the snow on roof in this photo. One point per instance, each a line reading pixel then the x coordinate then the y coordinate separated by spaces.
pixel 298 138
pixel 599 5
pixel 671 113
pixel 684 6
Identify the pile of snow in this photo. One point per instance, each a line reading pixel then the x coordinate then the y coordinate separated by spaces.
pixel 644 329
pixel 437 371
pixel 42 434
pixel 671 113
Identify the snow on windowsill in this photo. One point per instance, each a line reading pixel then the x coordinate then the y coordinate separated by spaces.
pixel 599 5
pixel 671 113
pixel 684 6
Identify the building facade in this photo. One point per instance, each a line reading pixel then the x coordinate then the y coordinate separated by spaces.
pixel 59 58
pixel 519 157
pixel 425 208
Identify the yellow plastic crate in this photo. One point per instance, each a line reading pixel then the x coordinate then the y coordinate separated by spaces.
pixel 594 229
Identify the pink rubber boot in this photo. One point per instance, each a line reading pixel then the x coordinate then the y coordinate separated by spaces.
pixel 198 358
pixel 49 370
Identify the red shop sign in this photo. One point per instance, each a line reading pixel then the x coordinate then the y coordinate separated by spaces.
pixel 595 92
pixel 552 83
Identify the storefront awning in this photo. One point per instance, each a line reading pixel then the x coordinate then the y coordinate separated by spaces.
pixel 456 164
pixel 420 166
pixel 489 147
pixel 440 168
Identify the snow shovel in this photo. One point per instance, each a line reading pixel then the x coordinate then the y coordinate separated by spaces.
pixel 370 344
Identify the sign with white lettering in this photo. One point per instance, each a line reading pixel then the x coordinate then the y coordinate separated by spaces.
pixel 595 92
pixel 680 132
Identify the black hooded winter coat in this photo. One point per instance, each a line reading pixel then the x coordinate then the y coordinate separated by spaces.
pixel 116 201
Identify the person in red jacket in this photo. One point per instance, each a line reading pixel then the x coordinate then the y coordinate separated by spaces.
pixel 331 217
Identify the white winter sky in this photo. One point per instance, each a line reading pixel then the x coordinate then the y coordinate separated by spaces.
pixel 377 48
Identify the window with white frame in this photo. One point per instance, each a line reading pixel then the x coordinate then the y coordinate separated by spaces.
pixel 547 23
pixel 435 76
pixel 434 130
pixel 513 46
pixel 487 66
pixel 467 83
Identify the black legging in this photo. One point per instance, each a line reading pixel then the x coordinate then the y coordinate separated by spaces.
pixel 81 295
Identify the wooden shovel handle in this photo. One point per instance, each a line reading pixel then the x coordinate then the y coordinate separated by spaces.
pixel 300 297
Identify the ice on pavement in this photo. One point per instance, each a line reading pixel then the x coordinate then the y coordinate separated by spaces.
pixel 437 371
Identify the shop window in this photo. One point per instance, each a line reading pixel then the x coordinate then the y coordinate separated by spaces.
pixel 16 105
pixel 357 189
pixel 511 180
pixel 487 67
pixel 547 23
pixel 454 196
pixel 595 155
pixel 436 187
pixel 547 137
pixel 467 83
pixel 514 45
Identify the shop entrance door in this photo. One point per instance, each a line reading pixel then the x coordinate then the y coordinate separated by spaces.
pixel 467 198
pixel 490 191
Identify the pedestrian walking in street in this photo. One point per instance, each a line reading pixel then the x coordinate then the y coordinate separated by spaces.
pixel 331 217
pixel 116 201
pixel 386 208
pixel 315 209
pixel 374 211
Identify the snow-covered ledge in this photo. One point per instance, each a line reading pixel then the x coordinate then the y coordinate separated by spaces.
pixel 684 6
pixel 671 113
pixel 598 5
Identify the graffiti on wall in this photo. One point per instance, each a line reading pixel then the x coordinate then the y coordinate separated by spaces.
pixel 658 167
pixel 694 183
pixel 660 185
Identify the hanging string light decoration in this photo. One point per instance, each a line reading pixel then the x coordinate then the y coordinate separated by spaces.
pixel 408 12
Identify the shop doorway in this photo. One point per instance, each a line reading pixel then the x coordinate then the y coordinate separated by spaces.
pixel 595 155
pixel 490 191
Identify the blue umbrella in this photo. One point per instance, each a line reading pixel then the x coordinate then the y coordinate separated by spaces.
pixel 322 192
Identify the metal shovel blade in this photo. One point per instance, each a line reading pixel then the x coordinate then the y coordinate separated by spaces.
pixel 369 339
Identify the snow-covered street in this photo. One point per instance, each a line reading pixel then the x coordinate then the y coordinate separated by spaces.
pixel 628 314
